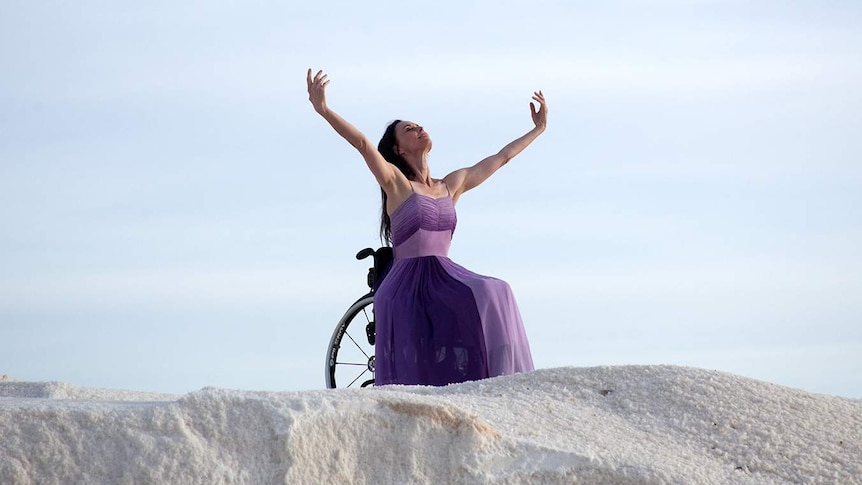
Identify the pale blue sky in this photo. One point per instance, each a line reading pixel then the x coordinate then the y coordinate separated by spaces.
pixel 174 215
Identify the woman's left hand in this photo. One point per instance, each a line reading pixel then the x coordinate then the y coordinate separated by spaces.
pixel 540 116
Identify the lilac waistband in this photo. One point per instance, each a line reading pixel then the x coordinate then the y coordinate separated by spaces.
pixel 425 243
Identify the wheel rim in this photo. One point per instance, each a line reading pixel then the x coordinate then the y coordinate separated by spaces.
pixel 350 357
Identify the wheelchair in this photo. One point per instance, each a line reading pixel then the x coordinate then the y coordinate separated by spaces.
pixel 350 355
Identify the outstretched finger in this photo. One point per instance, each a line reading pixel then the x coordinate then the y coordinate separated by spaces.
pixel 541 99
pixel 308 78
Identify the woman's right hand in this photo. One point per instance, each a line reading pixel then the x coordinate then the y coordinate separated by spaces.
pixel 317 90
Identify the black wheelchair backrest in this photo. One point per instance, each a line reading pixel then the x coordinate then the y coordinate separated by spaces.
pixel 382 261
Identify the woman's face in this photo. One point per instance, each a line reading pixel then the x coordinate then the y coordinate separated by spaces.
pixel 411 138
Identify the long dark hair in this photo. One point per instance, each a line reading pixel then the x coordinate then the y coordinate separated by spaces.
pixel 386 147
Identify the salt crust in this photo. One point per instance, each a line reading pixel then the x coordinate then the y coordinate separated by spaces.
pixel 604 425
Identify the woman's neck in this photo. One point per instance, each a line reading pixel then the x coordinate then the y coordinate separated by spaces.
pixel 419 164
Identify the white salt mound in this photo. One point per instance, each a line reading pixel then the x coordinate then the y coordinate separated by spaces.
pixel 608 425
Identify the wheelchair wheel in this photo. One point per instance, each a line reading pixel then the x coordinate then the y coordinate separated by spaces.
pixel 350 356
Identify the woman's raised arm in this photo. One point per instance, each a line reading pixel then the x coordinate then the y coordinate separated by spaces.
pixel 383 171
pixel 465 179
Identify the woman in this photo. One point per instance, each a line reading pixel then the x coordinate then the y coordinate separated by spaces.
pixel 437 323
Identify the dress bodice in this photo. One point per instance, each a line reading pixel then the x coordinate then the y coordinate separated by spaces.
pixel 423 226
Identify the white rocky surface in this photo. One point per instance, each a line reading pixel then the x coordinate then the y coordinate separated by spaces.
pixel 606 425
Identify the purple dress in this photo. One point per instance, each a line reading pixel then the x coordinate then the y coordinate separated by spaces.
pixel 438 323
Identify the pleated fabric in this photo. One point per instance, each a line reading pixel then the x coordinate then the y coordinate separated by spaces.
pixel 437 322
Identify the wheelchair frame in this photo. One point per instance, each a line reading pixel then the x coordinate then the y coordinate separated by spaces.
pixel 343 361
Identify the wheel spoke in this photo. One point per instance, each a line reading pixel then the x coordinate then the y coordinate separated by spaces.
pixel 357 377
pixel 357 319
pixel 356 344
